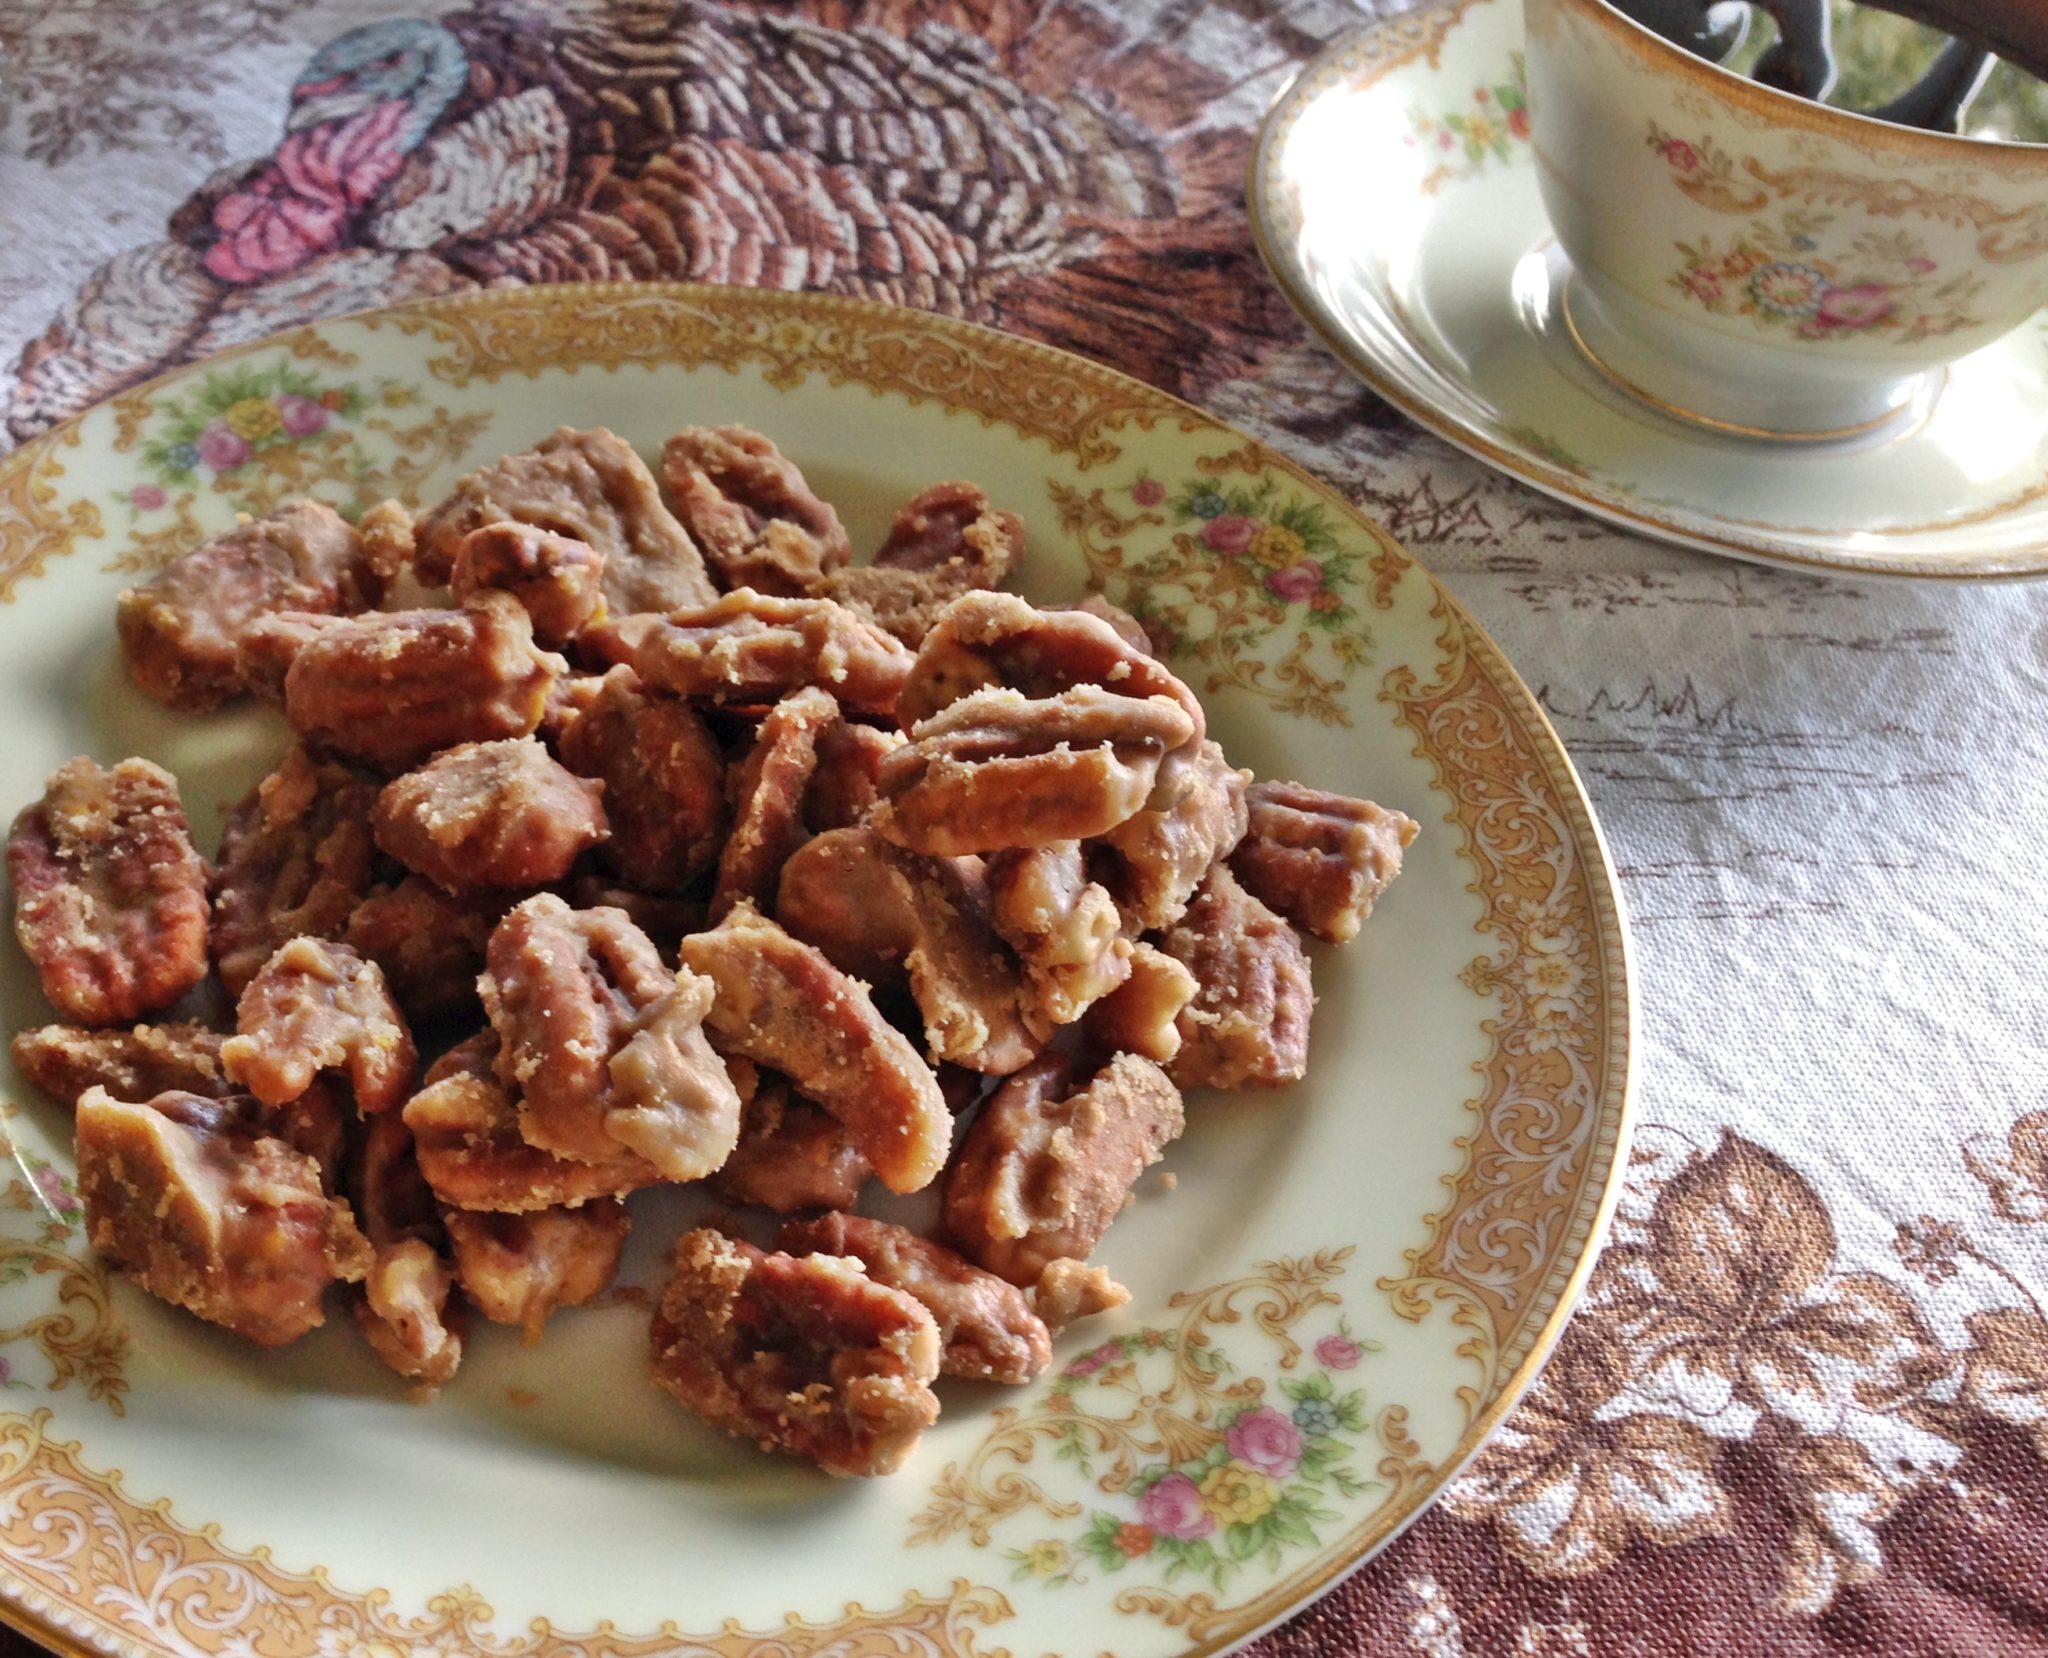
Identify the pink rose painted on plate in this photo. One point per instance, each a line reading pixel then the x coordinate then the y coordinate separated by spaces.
pixel 1174 1508
pixel 1230 534
pixel 221 448
pixel 1863 306
pixel 1339 1353
pixel 1297 583
pixel 301 415
pixel 1265 1440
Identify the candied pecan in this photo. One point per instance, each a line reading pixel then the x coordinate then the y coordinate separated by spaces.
pixel 791 1155
pixel 1152 862
pixel 767 815
pixel 317 1006
pixel 387 532
pixel 200 1208
pixel 987 1329
pixel 267 647
pixel 843 786
pixel 392 688
pixel 604 1042
pixel 179 630
pixel 891 916
pixel 569 699
pixel 1320 859
pixel 589 486
pixel 64 1061
pixel 109 891
pixel 988 639
pixel 1247 1026
pixel 1142 1015
pixel 752 649
pixel 466 1130
pixel 1042 1172
pixel 1121 622
pixel 757 521
pixel 403 1305
pixel 296 858
pixel 407 1312
pixel 504 814
pixel 1068 1291
pixel 799 1354
pixel 780 1003
pixel 520 1268
pixel 995 770
pixel 429 944
pixel 664 782
pixel 945 542
pixel 1064 928
pixel 559 579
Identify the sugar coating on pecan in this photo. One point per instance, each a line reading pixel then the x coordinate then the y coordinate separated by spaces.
pixel 664 782
pixel 1142 1015
pixel 1043 1171
pixel 800 1354
pixel 759 524
pixel 591 487
pixel 465 1127
pixel 753 649
pixel 387 531
pixel 428 942
pixel 780 1003
pixel 179 630
pixel 663 918
pixel 392 688
pixel 518 1269
pixel 201 1209
pixel 988 639
pixel 138 1064
pixel 1068 1291
pixel 1247 1026
pixel 318 1123
pixel 1064 928
pixel 569 699
pixel 894 917
pixel 317 1006
pixel 559 579
pixel 1320 859
pixel 403 1306
pixel 296 858
pixel 946 542
pixel 504 814
pixel 987 1329
pixel 997 769
pixel 845 783
pixel 407 1312
pixel 603 1043
pixel 768 799
pixel 1153 861
pixel 792 1154
pixel 109 891
pixel 267 647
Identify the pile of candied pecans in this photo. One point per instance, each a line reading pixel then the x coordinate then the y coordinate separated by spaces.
pixel 698 853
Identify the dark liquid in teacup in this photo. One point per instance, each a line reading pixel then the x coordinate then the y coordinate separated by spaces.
pixel 1865 59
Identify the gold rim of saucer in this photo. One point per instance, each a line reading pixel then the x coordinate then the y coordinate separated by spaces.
pixel 1735 428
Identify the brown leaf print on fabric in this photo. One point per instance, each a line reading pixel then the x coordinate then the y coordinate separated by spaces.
pixel 2014 1172
pixel 1840 1498
pixel 2006 1371
pixel 1734 1286
pixel 1571 1485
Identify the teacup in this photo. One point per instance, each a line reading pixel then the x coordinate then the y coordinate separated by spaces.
pixel 1758 263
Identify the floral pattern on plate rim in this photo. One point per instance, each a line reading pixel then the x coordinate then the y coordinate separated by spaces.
pixel 1495 120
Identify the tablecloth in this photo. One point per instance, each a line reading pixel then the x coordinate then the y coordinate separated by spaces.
pixel 1805 1406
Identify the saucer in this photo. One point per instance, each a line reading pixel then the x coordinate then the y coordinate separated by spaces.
pixel 1394 196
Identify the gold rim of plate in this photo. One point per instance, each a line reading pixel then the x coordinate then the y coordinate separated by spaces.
pixel 1075 406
